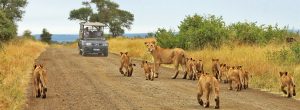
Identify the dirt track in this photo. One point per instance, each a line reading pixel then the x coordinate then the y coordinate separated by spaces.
pixel 94 83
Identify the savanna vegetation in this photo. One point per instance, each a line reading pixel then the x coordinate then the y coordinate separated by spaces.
pixel 16 61
pixel 17 56
pixel 262 50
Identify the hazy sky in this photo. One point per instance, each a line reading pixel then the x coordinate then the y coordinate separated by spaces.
pixel 152 14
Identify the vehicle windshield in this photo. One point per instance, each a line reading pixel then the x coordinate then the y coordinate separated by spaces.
pixel 93 32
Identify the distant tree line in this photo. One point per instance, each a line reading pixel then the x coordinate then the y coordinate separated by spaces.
pixel 197 32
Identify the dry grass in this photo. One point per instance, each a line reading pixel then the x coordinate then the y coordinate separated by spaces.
pixel 264 73
pixel 16 61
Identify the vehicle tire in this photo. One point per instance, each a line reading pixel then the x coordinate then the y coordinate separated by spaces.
pixel 105 53
pixel 82 53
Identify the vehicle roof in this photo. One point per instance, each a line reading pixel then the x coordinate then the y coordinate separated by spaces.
pixel 92 24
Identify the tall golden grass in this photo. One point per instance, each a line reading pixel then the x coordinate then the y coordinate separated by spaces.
pixel 264 73
pixel 16 62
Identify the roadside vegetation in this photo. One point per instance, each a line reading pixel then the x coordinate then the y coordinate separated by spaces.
pixel 262 50
pixel 16 62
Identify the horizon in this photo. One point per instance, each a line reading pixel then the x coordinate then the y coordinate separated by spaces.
pixel 53 14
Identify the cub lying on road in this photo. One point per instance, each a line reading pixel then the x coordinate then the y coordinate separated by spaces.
pixel 40 81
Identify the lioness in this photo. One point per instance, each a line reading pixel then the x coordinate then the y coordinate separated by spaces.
pixel 287 81
pixel 244 77
pixel 40 80
pixel 148 68
pixel 234 77
pixel 127 64
pixel 174 56
pixel 207 85
pixel 216 69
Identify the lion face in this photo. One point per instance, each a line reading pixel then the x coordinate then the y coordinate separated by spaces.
pixel 150 46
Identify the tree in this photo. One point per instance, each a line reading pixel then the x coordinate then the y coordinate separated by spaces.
pixel 108 12
pixel 81 14
pixel 13 9
pixel 7 28
pixel 27 34
pixel 46 36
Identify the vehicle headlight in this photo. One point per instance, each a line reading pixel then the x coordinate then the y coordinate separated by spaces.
pixel 88 43
pixel 105 44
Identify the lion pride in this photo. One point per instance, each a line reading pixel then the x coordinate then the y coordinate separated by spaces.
pixel 127 64
pixel 287 81
pixel 207 85
pixel 40 80
pixel 161 55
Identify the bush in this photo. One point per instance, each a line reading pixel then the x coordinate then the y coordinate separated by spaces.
pixel 7 28
pixel 166 39
pixel 290 55
pixel 198 31
pixel 295 50
pixel 27 34
pixel 46 36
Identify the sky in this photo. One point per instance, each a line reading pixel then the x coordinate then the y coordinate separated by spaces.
pixel 152 14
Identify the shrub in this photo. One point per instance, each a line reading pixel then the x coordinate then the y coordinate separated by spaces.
pixel 166 39
pixel 198 31
pixel 7 28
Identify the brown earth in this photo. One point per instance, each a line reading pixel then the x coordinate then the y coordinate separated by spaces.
pixel 94 83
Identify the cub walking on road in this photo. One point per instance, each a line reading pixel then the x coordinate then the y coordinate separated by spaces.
pixel 287 81
pixel 206 86
pixel 127 64
pixel 40 81
pixel 148 68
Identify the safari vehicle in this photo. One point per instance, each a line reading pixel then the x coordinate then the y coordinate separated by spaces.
pixel 91 39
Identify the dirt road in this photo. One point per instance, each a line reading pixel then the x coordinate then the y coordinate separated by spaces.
pixel 94 83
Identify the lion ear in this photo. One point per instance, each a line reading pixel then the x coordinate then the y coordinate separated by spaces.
pixel 146 61
pixel 191 58
pixel 121 53
pixel 41 65
pixel 126 53
pixel 146 43
pixel 285 73
pixel 34 66
pixel 133 64
pixel 280 73
pixel 153 42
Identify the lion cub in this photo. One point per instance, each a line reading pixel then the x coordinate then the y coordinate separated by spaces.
pixel 206 85
pixel 148 68
pixel 127 64
pixel 234 77
pixel 40 81
pixel 191 68
pixel 287 81
pixel 244 77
